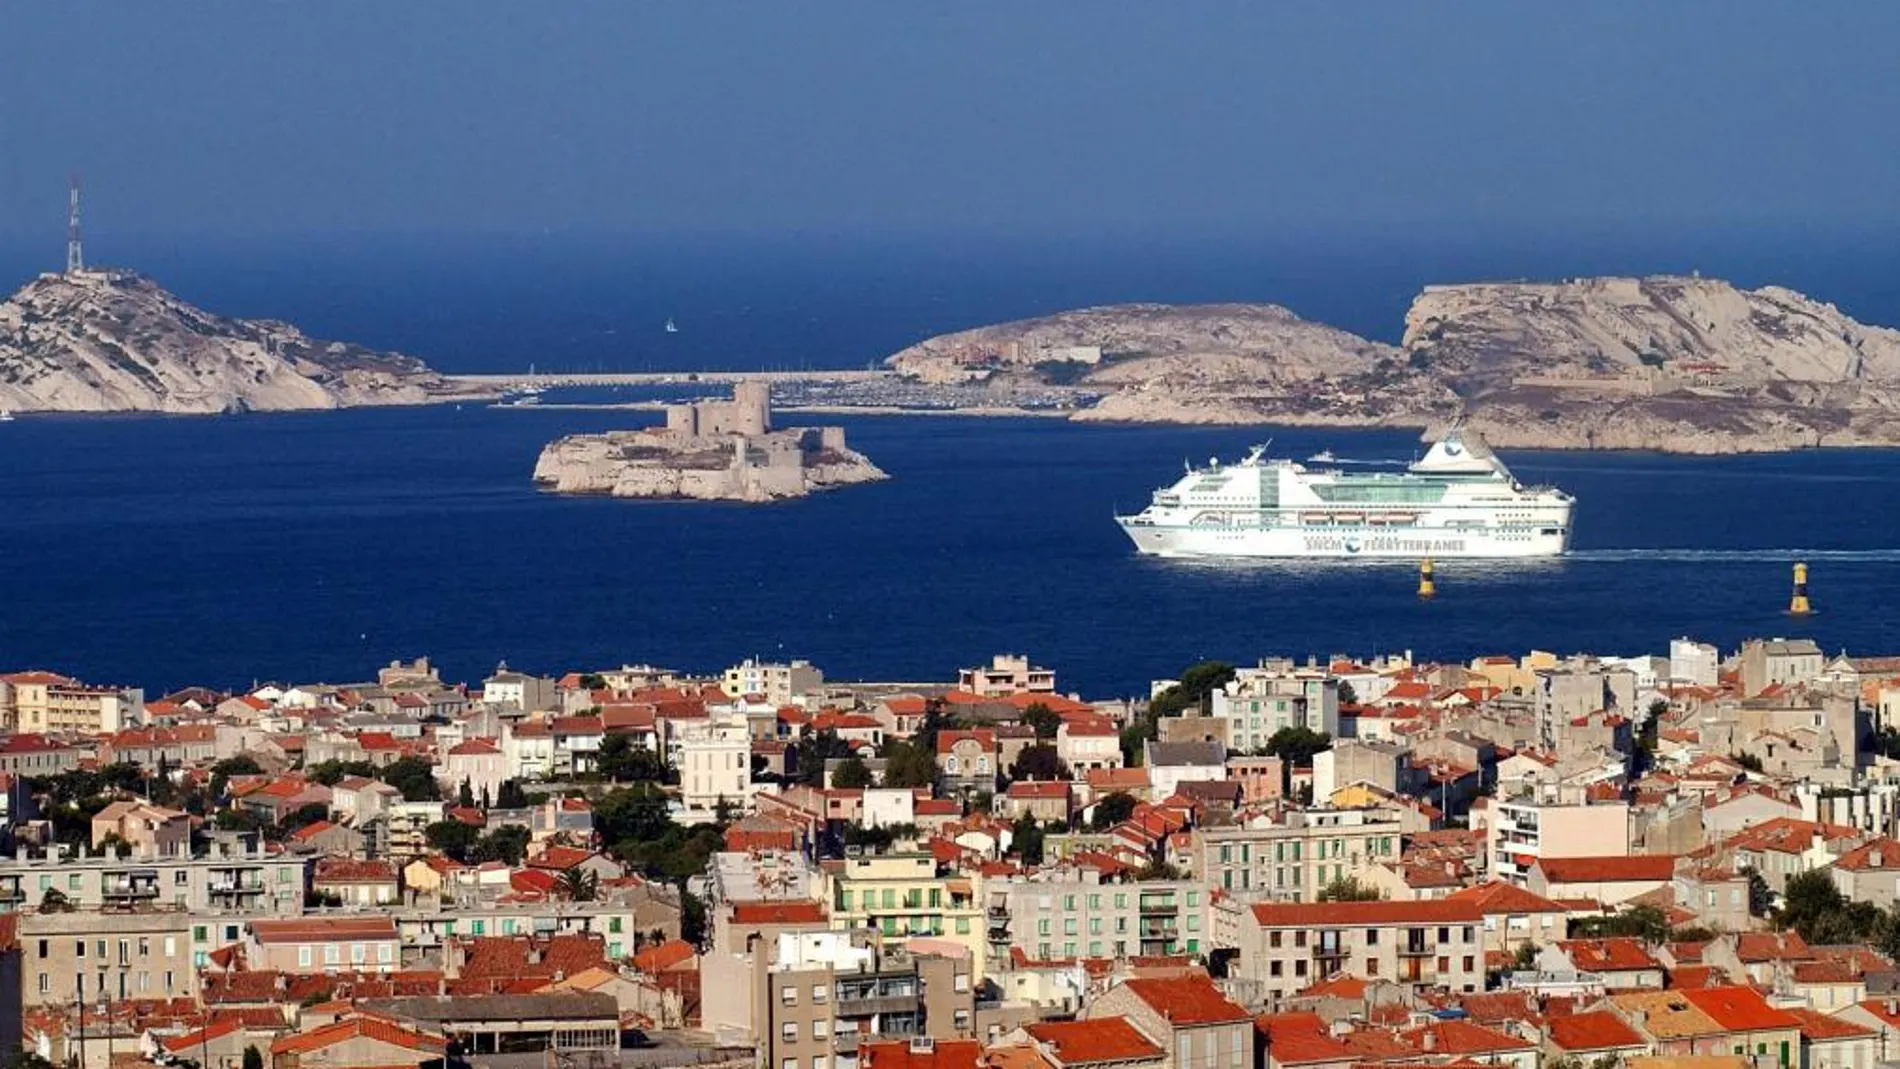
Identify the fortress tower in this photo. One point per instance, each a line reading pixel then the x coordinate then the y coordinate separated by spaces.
pixel 749 414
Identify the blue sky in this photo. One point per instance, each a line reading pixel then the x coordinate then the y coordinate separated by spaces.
pixel 245 119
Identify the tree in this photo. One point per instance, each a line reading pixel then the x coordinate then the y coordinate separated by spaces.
pixel 592 681
pixel 852 774
pixel 1297 745
pixel 1112 810
pixel 1526 957
pixel 813 752
pixel 578 885
pixel 253 1058
pixel 1043 719
pixel 453 838
pixel 510 796
pixel 235 819
pixel 507 844
pixel 54 900
pixel 909 764
pixel 1641 922
pixel 623 762
pixel 302 817
pixel 241 765
pixel 1190 693
pixel 1747 760
pixel 1038 762
pixel 1347 695
pixel 414 777
pixel 1348 889
pixel 1026 839
pixel 331 773
pixel 465 795
pixel 1761 897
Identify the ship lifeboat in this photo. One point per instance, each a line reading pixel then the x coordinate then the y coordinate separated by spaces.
pixel 1315 518
pixel 1349 517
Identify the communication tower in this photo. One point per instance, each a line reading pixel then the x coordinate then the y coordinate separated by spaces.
pixel 75 258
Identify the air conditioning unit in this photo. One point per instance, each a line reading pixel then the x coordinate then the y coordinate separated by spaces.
pixel 922 1044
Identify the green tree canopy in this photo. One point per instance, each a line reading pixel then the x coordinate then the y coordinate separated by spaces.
pixel 909 764
pixel 1043 719
pixel 1112 810
pixel 1348 889
pixel 241 765
pixel 1297 745
pixel 507 844
pixel 851 774
pixel 414 777
pixel 452 837
pixel 1038 762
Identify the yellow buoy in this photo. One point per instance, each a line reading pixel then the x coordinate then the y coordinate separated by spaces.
pixel 1426 588
pixel 1798 606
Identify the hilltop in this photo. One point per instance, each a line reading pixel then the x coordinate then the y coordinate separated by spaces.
pixel 1674 363
pixel 114 341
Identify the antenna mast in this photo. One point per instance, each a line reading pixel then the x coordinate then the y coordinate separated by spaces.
pixel 75 259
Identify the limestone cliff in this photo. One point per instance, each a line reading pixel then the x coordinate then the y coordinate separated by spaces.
pixel 1671 363
pixel 110 341
pixel 658 463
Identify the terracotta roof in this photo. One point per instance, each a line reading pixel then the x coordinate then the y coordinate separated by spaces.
pixel 323 929
pixel 1875 855
pixel 1818 1025
pixel 1499 897
pixel 1301 1039
pixel 1740 1009
pixel 1617 954
pixel 1102 1039
pixel 365 1027
pixel 1597 1030
pixel 942 1054
pixel 350 870
pixel 1343 914
pixel 1187 1000
pixel 667 955
pixel 1607 869
pixel 1462 1037
pixel 474 748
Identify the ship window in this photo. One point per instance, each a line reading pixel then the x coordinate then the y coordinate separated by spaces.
pixel 1380 493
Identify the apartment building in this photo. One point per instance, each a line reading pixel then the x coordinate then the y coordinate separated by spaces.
pixel 1006 675
pixel 777 683
pixel 1186 1016
pixel 904 895
pixel 362 943
pixel 715 763
pixel 1778 661
pixel 117 955
pixel 1287 947
pixel 819 997
pixel 1293 861
pixel 233 882
pixel 1525 829
pixel 1260 701
pixel 49 702
pixel 1071 912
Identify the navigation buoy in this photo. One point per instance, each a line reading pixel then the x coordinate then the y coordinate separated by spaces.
pixel 1426 588
pixel 1798 605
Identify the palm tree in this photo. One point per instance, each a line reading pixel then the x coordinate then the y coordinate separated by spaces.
pixel 578 885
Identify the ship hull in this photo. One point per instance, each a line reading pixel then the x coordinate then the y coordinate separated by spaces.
pixel 1291 542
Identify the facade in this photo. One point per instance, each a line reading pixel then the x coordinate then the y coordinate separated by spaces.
pixel 41 702
pixel 903 895
pixel 1285 948
pixel 1293 861
pixel 818 998
pixel 1778 661
pixel 1275 695
pixel 967 761
pixel 777 683
pixel 1186 1016
pixel 145 829
pixel 119 955
pixel 715 767
pixel 1521 831
pixel 1063 913
pixel 1007 674
pixel 234 882
pixel 364 943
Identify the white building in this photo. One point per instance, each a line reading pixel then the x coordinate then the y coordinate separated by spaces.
pixel 779 684
pixel 528 750
pixel 1007 674
pixel 715 766
pixel 1088 744
pixel 1260 701
pixel 887 807
pixel 1693 663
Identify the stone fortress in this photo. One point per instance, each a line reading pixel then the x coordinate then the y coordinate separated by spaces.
pixel 709 450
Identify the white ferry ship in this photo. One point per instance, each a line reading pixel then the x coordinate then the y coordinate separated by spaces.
pixel 1459 500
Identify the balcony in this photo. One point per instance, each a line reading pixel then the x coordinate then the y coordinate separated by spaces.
pixel 876 1004
pixel 11 891
pixel 1157 903
pixel 1416 948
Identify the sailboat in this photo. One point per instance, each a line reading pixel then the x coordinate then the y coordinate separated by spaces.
pixel 672 327
pixel 6 415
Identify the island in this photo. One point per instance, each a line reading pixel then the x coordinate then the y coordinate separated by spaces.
pixel 708 451
pixel 1670 363
pixel 109 340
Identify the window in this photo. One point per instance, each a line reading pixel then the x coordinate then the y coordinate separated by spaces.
pixel 1372 937
pixel 788 996
pixel 72 882
pixel 1042 926
pixel 197 933
pixel 789 1031
pixel 46 883
pixel 46 983
pixel 817 1061
pixel 79 948
pixel 1467 962
pixel 303 957
pixel 42 948
pixel 386 953
pixel 963 926
pixel 1273 940
pixel 145 947
pixel 230 933
pixel 1444 965
pixel 1372 966
pixel 613 924
pixel 358 954
pixel 1068 926
pixel 821 1029
pixel 332 954
pixel 819 993
pixel 181 878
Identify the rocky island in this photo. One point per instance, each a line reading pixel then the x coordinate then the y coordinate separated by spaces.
pixel 114 341
pixel 709 451
pixel 1680 364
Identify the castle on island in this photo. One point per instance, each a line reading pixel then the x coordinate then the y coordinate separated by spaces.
pixel 748 416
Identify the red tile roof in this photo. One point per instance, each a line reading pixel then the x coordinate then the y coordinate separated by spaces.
pixel 1739 1009
pixel 1346 914
pixel 323 929
pixel 802 912
pixel 1498 897
pixel 1301 1039
pixel 1618 954
pixel 1103 1039
pixel 942 1054
pixel 668 955
pixel 1818 1025
pixel 1607 869
pixel 1187 1000
pixel 366 1027
pixel 1598 1030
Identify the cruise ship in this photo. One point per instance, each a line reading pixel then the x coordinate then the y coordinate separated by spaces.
pixel 1458 501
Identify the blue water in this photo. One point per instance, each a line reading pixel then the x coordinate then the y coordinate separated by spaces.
pixel 167 551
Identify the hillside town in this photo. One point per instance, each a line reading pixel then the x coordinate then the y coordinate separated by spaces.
pixel 1678 860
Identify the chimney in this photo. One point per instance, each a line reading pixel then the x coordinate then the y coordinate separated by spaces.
pixel 1428 1042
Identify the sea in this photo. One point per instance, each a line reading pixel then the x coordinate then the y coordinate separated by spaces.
pixel 167 551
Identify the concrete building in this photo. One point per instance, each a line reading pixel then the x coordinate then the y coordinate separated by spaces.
pixel 521 691
pixel 143 829
pixel 777 682
pixel 1006 675
pixel 1692 663
pixel 1285 948
pixel 1170 764
pixel 1384 765
pixel 1522 830
pixel 819 997
pixel 1293 861
pixel 1764 663
pixel 41 702
pixel 1277 694
pixel 715 766
pixel 478 763
pixel 902 895
pixel 236 882
pixel 362 943
pixel 1186 1016
pixel 1072 912
pixel 119 955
